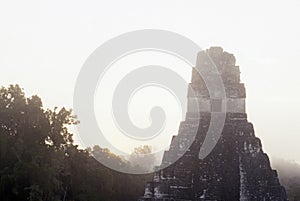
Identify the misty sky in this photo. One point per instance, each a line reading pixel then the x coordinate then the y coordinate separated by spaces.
pixel 43 45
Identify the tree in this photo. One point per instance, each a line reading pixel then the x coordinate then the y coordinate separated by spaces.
pixel 142 156
pixel 32 148
pixel 38 160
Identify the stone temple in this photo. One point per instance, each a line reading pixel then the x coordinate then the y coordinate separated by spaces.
pixel 236 168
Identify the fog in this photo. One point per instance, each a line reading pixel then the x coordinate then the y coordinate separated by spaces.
pixel 45 43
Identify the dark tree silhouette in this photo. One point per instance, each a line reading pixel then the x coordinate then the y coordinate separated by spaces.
pixel 38 160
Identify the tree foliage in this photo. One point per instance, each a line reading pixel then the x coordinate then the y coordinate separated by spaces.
pixel 38 160
pixel 143 157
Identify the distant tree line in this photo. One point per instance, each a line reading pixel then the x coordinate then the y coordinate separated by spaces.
pixel 39 161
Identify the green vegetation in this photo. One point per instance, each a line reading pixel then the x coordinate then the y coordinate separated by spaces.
pixel 38 160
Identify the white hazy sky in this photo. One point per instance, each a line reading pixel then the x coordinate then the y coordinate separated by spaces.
pixel 43 45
